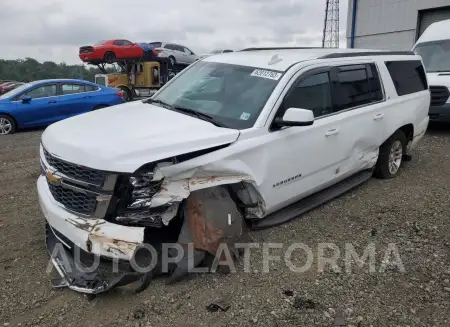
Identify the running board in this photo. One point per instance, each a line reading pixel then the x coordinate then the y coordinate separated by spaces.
pixel 299 208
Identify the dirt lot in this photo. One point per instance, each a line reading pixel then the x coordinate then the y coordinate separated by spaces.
pixel 411 211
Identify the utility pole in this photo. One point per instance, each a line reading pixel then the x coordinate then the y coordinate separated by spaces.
pixel 331 25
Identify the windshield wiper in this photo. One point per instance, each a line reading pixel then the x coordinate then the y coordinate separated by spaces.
pixel 162 103
pixel 200 115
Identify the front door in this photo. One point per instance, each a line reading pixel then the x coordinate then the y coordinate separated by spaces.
pixel 303 159
pixel 43 108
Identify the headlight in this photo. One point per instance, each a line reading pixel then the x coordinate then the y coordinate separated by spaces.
pixel 143 189
pixel 135 201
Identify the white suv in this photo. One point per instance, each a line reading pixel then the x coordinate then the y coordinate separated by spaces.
pixel 248 136
pixel 177 54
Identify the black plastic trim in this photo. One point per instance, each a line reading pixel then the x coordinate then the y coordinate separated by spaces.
pixel 366 54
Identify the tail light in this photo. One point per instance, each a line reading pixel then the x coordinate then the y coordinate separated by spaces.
pixel 120 93
pixel 157 51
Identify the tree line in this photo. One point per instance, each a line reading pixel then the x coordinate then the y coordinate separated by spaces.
pixel 29 69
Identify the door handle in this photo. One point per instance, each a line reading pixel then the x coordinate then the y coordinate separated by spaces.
pixel 378 117
pixel 331 132
pixel 52 101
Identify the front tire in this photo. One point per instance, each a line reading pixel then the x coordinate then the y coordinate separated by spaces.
pixel 390 158
pixel 7 125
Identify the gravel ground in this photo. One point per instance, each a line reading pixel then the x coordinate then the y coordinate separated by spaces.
pixel 410 211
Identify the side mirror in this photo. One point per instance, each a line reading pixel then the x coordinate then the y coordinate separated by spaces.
pixel 296 117
pixel 26 99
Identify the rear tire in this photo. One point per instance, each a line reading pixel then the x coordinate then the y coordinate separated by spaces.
pixel 7 125
pixel 126 94
pixel 109 57
pixel 390 158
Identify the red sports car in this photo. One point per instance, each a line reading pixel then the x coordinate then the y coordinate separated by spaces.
pixel 111 50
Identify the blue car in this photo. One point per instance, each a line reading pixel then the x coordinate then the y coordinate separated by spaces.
pixel 42 103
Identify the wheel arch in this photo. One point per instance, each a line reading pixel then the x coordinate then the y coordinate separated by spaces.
pixel 12 117
pixel 408 130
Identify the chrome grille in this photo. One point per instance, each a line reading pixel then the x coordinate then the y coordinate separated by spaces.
pixel 85 174
pixel 81 190
pixel 74 201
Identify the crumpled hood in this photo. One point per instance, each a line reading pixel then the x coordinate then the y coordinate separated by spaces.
pixel 122 138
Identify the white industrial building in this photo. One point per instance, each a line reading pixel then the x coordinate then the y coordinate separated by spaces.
pixel 391 24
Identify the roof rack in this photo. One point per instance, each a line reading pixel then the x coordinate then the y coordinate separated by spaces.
pixel 280 48
pixel 367 53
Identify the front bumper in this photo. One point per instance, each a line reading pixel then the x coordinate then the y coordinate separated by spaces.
pixel 440 113
pixel 74 243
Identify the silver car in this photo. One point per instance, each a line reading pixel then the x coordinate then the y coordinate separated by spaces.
pixel 177 54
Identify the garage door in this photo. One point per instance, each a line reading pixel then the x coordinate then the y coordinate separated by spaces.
pixel 428 17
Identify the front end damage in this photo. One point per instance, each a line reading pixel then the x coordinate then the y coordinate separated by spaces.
pixel 154 206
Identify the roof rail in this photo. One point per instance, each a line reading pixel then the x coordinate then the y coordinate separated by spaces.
pixel 280 48
pixel 367 53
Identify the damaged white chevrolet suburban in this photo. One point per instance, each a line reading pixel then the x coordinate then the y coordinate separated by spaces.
pixel 251 138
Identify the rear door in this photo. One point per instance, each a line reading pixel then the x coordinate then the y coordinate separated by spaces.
pixel 43 108
pixel 74 98
pixel 359 103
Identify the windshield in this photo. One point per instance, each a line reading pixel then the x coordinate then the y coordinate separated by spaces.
pixel 15 91
pixel 232 95
pixel 435 55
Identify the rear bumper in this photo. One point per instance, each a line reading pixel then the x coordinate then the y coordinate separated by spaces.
pixel 440 113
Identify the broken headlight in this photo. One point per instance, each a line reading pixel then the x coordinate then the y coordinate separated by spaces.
pixel 135 201
pixel 143 189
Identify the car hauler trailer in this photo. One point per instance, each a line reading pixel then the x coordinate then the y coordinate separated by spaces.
pixel 139 77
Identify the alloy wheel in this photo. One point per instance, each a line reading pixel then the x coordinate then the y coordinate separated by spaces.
pixel 5 126
pixel 395 157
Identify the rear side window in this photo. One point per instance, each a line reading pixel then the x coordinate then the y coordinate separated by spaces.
pixel 408 76
pixel 352 87
pixel 90 88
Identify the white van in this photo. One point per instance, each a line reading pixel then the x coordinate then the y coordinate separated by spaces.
pixel 434 47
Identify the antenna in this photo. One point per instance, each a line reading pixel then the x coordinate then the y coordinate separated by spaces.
pixel 331 25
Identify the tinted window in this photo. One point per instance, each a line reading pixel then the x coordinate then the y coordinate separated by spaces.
pixel 376 94
pixel 352 87
pixel 312 93
pixel 44 91
pixel 68 89
pixel 408 76
pixel 117 42
pixel 225 51
pixel 126 42
pixel 169 46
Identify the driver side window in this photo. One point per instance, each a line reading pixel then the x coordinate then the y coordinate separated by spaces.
pixel 311 92
pixel 44 91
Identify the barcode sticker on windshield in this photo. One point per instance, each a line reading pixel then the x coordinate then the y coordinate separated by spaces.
pixel 266 74
pixel 245 116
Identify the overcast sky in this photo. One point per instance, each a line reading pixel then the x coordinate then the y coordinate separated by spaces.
pixel 55 29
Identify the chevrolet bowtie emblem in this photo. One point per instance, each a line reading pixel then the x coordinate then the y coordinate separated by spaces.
pixel 53 179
